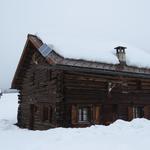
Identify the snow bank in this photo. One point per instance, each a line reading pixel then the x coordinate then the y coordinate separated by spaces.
pixel 94 50
pixel 120 135
pixel 8 107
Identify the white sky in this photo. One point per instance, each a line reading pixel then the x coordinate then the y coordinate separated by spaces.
pixel 99 20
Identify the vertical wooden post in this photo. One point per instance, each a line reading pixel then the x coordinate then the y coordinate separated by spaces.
pixel 96 114
pixel 74 114
pixel 147 112
pixel 130 113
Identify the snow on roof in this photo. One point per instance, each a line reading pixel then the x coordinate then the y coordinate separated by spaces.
pixel 98 51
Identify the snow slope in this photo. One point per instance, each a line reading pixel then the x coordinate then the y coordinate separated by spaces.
pixel 121 135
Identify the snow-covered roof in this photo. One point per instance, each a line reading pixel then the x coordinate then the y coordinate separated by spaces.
pixel 97 55
pixel 99 51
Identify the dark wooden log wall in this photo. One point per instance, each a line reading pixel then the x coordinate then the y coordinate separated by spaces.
pixel 39 89
pixel 108 97
pixel 92 89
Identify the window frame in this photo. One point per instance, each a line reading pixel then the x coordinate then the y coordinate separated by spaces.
pixel 47 116
pixel 138 112
pixel 83 114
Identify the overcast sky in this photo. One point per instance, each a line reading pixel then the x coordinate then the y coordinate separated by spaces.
pixel 100 20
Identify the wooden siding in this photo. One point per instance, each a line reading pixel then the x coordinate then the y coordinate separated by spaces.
pixel 39 88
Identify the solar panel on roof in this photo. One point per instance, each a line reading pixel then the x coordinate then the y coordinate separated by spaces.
pixel 45 50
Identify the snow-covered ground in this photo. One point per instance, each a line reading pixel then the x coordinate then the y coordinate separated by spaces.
pixel 121 135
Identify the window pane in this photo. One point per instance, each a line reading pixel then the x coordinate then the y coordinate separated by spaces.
pixel 85 114
pixel 80 114
pixel 85 118
pixel 138 112
pixel 85 111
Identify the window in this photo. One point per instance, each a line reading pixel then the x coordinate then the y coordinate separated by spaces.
pixel 35 58
pixel 47 114
pixel 138 112
pixel 83 114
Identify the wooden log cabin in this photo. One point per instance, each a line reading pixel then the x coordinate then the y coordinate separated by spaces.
pixel 55 91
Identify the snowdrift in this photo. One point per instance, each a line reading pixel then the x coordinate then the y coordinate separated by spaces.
pixel 120 135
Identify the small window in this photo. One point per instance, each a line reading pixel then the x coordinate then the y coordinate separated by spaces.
pixel 35 58
pixel 83 114
pixel 138 112
pixel 47 114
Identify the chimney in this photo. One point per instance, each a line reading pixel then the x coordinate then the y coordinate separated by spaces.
pixel 120 52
